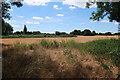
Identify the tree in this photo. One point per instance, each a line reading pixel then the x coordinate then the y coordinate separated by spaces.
pixel 6 6
pixel 4 10
pixel 7 29
pixel 57 33
pixel 76 32
pixel 109 9
pixel 25 29
pixel 87 32
pixel 36 32
pixel 93 33
pixel 108 33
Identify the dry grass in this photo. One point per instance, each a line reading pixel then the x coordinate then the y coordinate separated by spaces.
pixel 80 39
pixel 51 63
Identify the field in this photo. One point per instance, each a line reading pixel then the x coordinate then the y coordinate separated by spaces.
pixel 80 39
pixel 69 57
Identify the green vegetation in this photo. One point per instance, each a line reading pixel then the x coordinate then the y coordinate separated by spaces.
pixel 6 28
pixel 110 9
pixel 49 44
pixel 36 36
pixel 102 49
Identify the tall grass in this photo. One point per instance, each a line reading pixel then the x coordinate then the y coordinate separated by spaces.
pixel 49 44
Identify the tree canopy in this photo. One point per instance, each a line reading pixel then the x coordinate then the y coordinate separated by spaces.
pixel 109 9
pixel 6 6
pixel 6 28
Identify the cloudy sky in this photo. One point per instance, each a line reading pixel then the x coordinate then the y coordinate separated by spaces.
pixel 57 15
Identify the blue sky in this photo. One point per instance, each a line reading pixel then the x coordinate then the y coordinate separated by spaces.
pixel 46 16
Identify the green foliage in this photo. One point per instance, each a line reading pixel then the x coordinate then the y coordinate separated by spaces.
pixel 6 28
pixel 34 36
pixel 109 9
pixel 108 48
pixel 33 46
pixel 6 6
pixel 55 44
pixel 36 32
pixel 76 32
pixel 19 45
pixel 60 33
pixel 49 44
pixel 87 32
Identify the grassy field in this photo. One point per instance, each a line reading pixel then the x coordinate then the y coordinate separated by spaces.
pixel 95 57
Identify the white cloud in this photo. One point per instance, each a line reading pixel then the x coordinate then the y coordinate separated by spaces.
pixel 116 23
pixel 47 17
pixel 93 21
pixel 10 9
pixel 78 3
pixel 56 7
pixel 36 23
pixel 106 21
pixel 60 14
pixel 82 23
pixel 21 16
pixel 39 18
pixel 71 7
pixel 15 26
pixel 29 22
pixel 12 21
pixel 36 2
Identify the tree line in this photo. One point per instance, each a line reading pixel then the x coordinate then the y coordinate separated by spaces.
pixel 8 29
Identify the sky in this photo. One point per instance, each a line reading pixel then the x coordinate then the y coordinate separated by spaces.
pixel 49 16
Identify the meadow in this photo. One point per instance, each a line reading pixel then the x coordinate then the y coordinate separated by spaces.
pixel 79 57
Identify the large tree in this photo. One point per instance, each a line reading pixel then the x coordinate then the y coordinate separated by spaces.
pixel 109 9
pixel 6 6
pixel 4 11
pixel 6 29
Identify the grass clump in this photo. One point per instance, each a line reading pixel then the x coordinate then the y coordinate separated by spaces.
pixel 49 44
pixel 33 46
pixel 19 45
